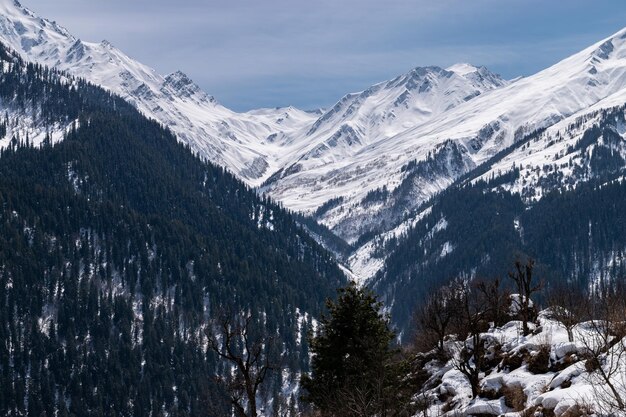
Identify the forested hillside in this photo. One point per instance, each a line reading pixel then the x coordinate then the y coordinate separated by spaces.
pixel 577 237
pixel 117 246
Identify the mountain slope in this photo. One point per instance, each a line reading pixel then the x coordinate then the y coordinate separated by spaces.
pixel 236 141
pixel 454 142
pixel 477 229
pixel 117 246
pixel 406 139
pixel 361 121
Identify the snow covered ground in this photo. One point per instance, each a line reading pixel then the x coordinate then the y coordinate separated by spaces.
pixel 564 388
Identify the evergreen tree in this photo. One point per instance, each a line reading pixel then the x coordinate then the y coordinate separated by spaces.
pixel 352 366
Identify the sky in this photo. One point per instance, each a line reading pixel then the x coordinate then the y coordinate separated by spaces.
pixel 309 53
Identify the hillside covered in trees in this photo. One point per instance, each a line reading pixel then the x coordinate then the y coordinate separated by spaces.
pixel 117 248
pixel 476 229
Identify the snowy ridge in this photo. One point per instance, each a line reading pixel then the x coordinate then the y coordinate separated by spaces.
pixel 479 128
pixel 406 139
pixel 237 141
pixel 558 151
pixel 24 124
pixel 353 128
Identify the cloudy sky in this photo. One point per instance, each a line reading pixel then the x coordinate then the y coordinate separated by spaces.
pixel 308 53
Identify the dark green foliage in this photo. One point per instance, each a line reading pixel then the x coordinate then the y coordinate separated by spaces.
pixel 116 246
pixel 605 161
pixel 339 247
pixel 481 228
pixel 375 196
pixel 353 359
pixel 568 233
pixel 576 233
pixel 327 206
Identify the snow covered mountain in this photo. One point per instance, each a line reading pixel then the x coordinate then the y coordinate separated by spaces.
pixel 241 142
pixel 360 122
pixel 263 143
pixel 365 167
pixel 418 162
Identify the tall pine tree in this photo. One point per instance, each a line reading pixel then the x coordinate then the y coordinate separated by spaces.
pixel 353 367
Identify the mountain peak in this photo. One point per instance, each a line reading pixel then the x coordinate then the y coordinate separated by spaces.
pixel 183 86
pixel 26 33
pixel 179 75
pixel 463 68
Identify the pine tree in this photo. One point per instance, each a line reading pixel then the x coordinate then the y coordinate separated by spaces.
pixel 352 357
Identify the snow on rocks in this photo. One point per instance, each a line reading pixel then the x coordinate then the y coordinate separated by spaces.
pixel 563 387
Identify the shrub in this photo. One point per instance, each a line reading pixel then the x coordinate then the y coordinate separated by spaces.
pixel 514 397
pixel 512 361
pixel 539 363
pixel 529 412
pixel 592 365
pixel 579 410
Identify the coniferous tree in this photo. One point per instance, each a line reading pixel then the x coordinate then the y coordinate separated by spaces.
pixel 353 372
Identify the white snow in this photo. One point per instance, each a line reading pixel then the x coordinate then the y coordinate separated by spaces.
pixel 554 390
pixel 242 142
pixel 363 141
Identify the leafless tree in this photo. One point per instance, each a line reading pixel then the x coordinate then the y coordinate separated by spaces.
pixel 497 300
pixel 569 307
pixel 604 340
pixel 436 317
pixel 235 339
pixel 526 287
pixel 470 359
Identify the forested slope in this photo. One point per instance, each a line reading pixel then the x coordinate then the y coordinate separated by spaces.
pixel 117 246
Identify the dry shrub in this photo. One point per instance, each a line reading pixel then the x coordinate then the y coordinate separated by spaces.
pixel 490 393
pixel 449 406
pixel 579 410
pixel 566 362
pixel 424 342
pixel 512 361
pixel 495 356
pixel 514 397
pixel 444 397
pixel 422 403
pixel 529 412
pixel 539 363
pixel 592 365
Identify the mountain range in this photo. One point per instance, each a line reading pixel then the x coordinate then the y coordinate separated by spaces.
pixel 135 209
pixel 120 250
pixel 375 165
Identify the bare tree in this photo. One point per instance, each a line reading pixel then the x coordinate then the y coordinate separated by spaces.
pixel 234 339
pixel 497 300
pixel 606 352
pixel 568 307
pixel 471 358
pixel 524 280
pixel 435 317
